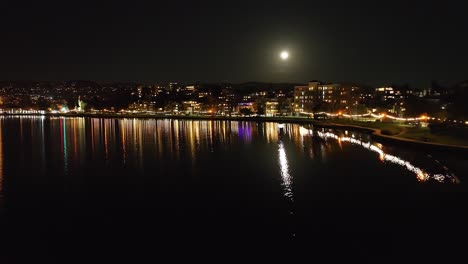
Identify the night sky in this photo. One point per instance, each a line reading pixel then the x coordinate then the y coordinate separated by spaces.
pixel 380 42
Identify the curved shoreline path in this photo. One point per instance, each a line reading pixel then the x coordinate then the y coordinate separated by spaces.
pixel 377 133
pixel 420 173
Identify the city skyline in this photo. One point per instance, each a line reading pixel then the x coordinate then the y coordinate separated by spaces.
pixel 401 102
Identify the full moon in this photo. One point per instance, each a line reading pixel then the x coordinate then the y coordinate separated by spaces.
pixel 284 55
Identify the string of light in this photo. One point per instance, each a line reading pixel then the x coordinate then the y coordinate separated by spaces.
pixel 421 175
pixel 379 116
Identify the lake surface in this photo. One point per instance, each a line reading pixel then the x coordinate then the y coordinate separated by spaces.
pixel 91 189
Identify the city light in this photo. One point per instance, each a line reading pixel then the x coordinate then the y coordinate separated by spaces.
pixel 227 103
pixel 380 116
pixel 420 174
pixel 23 112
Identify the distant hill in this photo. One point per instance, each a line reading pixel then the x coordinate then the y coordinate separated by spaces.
pixel 262 86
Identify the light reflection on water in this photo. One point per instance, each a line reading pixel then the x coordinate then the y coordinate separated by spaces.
pixel 284 169
pixel 128 141
pixel 421 175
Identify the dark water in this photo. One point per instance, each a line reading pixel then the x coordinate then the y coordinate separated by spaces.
pixel 77 190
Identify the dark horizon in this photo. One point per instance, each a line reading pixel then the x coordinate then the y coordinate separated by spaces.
pixel 154 82
pixel 371 43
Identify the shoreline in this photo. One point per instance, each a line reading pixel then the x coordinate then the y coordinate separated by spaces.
pixel 374 132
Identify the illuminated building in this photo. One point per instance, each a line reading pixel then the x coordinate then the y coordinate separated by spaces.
pixel 173 107
pixel 191 107
pixel 316 94
pixel 271 107
pixel 385 93
pixel 302 102
pixel 173 86
pixel 142 107
pixel 139 91
pixel 306 97
pixel 252 106
pixel 226 101
pixel 393 99
pixel 189 91
pixel 286 106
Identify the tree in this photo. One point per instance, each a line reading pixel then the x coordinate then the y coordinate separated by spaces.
pixel 261 109
pixel 358 109
pixel 245 111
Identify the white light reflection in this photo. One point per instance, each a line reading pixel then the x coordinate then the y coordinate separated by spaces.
pixel 421 175
pixel 284 168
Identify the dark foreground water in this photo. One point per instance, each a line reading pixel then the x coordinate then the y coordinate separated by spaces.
pixel 85 190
